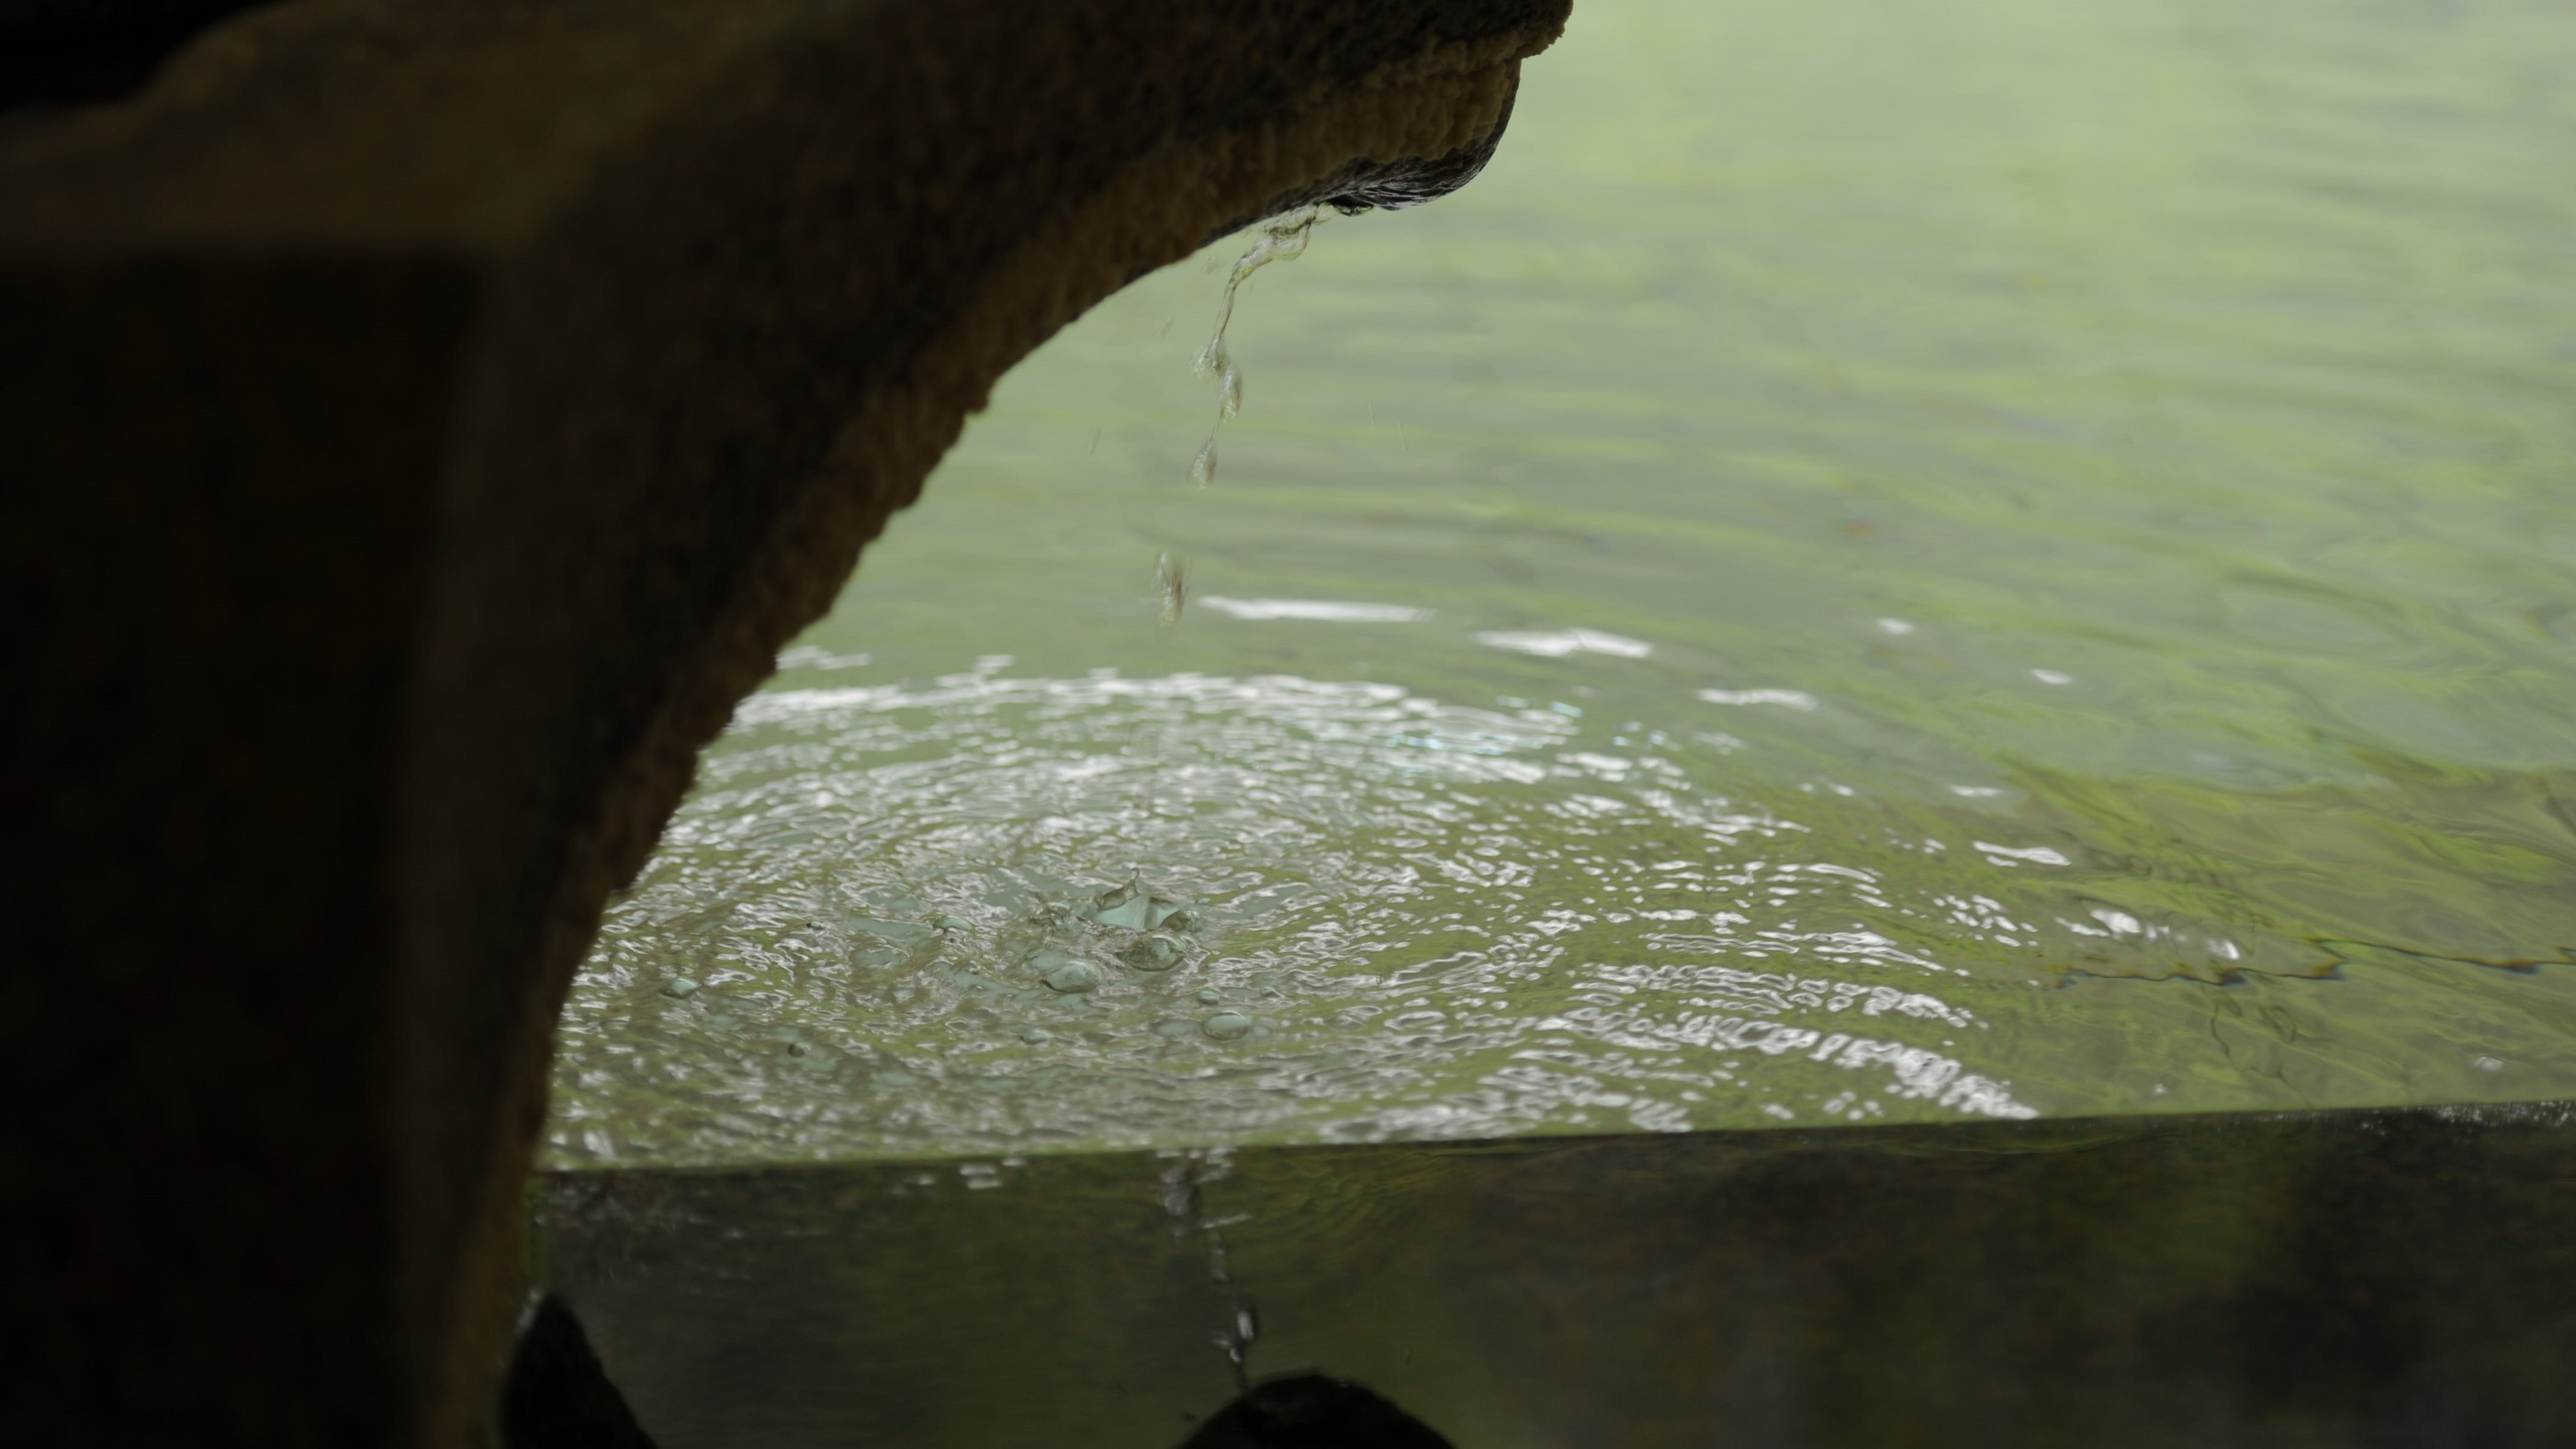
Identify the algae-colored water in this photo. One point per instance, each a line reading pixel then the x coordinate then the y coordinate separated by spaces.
pixel 1887 561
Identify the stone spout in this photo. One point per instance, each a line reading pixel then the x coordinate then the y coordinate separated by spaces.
pixel 421 423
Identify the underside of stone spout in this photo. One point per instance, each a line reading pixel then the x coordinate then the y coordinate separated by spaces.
pixel 423 422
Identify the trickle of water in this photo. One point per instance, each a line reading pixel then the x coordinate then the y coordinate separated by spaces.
pixel 1184 1192
pixel 1281 240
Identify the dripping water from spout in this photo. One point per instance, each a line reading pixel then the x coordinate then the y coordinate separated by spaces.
pixel 1281 240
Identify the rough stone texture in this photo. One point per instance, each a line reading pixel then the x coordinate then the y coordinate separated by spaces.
pixel 423 421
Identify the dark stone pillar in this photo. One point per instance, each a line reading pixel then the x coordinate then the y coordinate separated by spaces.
pixel 421 423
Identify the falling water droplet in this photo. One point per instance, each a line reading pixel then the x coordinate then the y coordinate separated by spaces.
pixel 1172 585
pixel 1229 392
pixel 1203 467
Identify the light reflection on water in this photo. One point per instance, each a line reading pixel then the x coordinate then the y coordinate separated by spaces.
pixel 1437 919
pixel 1884 561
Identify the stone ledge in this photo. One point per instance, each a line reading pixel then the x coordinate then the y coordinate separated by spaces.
pixel 2328 1278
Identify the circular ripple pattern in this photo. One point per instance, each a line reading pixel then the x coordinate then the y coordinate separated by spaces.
pixel 1397 918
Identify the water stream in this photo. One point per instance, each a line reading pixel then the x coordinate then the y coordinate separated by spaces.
pixel 1887 561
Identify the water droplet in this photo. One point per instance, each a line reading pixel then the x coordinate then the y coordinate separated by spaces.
pixel 1036 1034
pixel 1172 584
pixel 951 923
pixel 1226 1025
pixel 1229 392
pixel 1203 467
pixel 680 989
pixel 1153 953
pixel 1210 996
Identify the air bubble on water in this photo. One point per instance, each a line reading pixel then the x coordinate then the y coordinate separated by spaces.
pixel 1073 978
pixel 1226 1025
pixel 1063 971
pixel 1210 996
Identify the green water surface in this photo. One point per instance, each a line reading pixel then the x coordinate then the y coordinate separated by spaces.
pixel 1890 560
